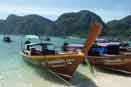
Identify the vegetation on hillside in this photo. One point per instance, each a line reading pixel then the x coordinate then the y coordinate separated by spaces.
pixel 68 24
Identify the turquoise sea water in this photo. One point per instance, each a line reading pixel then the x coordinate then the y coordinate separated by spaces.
pixel 15 72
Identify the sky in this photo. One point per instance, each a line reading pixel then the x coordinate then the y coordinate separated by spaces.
pixel 52 9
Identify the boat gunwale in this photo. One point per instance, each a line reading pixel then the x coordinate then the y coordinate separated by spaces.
pixel 57 56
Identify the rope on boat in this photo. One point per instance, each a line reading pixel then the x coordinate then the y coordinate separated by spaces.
pixel 68 83
pixel 91 67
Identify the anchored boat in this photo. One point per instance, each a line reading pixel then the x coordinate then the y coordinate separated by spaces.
pixel 62 64
pixel 114 59
pixel 7 39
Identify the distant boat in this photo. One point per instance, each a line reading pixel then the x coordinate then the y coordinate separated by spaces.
pixel 7 39
pixel 62 64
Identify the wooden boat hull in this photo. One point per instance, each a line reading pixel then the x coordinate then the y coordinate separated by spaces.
pixel 120 63
pixel 63 65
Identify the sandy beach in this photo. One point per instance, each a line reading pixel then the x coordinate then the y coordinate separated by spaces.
pixel 103 78
pixel 108 78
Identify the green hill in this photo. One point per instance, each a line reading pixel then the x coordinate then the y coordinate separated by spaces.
pixel 30 24
pixel 120 27
pixel 68 24
pixel 77 24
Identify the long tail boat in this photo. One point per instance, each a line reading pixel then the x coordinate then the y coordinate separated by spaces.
pixel 117 62
pixel 62 64
pixel 118 58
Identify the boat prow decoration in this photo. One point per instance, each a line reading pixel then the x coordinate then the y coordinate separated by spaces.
pixel 95 31
pixel 62 64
